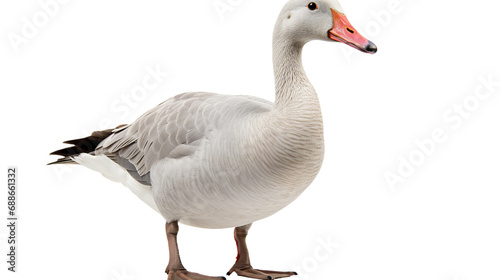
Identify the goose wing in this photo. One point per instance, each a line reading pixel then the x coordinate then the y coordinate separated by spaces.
pixel 173 129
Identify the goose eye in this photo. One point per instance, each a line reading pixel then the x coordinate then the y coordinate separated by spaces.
pixel 312 6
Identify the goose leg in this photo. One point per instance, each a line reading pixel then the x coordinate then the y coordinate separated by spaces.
pixel 175 269
pixel 242 267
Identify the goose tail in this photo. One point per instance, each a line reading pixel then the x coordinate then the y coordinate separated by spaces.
pixel 83 152
pixel 85 145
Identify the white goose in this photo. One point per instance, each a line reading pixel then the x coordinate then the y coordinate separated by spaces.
pixel 217 161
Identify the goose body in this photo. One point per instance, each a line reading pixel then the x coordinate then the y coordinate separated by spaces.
pixel 265 164
pixel 217 161
pixel 267 160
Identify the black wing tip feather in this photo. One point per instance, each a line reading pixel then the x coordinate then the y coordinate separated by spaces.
pixel 64 160
pixel 80 146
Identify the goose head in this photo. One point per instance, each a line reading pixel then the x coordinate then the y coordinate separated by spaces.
pixel 304 20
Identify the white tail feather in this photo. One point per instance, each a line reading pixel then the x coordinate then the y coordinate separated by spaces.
pixel 116 173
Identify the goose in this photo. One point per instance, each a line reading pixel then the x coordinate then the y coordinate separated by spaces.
pixel 225 161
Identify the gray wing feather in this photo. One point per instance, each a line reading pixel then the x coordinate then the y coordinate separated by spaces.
pixel 173 129
pixel 170 130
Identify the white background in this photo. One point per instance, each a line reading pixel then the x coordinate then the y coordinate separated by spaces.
pixel 442 222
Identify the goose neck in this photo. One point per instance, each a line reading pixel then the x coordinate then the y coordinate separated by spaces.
pixel 291 83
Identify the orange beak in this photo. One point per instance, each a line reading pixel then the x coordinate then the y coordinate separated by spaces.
pixel 343 31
